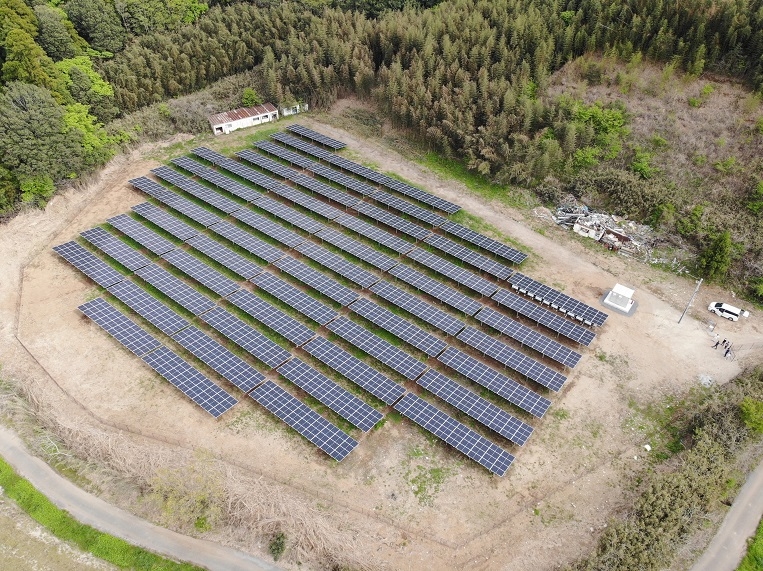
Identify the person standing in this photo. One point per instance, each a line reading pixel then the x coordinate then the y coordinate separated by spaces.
pixel 717 342
pixel 726 354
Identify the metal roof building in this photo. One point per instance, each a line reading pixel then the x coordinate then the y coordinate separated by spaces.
pixel 242 117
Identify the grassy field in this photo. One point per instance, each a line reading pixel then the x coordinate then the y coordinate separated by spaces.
pixel 753 561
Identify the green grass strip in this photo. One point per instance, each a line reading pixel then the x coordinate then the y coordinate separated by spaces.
pixel 107 547
pixel 753 561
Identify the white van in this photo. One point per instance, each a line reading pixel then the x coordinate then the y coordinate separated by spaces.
pixel 727 311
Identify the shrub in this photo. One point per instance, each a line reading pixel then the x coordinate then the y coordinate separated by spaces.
pixel 277 545
pixel 752 414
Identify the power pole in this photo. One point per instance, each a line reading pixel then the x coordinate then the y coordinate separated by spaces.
pixel 688 305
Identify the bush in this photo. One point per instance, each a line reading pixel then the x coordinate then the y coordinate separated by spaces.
pixel 277 545
pixel 752 414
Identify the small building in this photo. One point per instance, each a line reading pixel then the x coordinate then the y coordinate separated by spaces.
pixel 294 109
pixel 243 117
pixel 621 298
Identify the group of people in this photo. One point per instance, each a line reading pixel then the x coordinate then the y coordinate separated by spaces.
pixel 726 344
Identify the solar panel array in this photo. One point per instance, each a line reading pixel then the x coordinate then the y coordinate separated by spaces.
pixel 226 363
pixel 377 347
pixel 317 280
pixel 512 358
pixel 294 297
pixel 317 137
pixel 484 242
pixel 194 385
pixel 363 375
pixel 236 263
pixel 469 256
pixel 545 317
pixel 176 202
pixel 271 317
pixel 393 220
pixel 201 272
pixel 200 191
pixel 399 327
pixel 88 263
pixel 529 337
pixel 285 154
pixel 148 307
pixel 558 300
pixel 417 212
pixel 247 241
pixel 337 264
pixel 267 164
pixel 234 187
pixel 460 437
pixel 269 228
pixel 481 410
pixel 304 420
pixel 176 289
pixel 376 234
pixel 317 385
pixel 165 221
pixel 437 290
pixel 454 272
pixel 115 248
pixel 306 201
pixel 288 214
pixel 142 235
pixel 233 166
pixel 357 249
pixel 495 382
pixel 119 326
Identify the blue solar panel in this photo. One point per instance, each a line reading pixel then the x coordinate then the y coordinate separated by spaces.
pixel 317 137
pixel 295 298
pixel 269 228
pixel 223 182
pixel 87 262
pixel 236 263
pixel 142 235
pixel 248 242
pixel 115 248
pixel 437 290
pixel 201 272
pixel 496 269
pixel 317 280
pixel 176 289
pixel 119 326
pixel 272 317
pixel 176 202
pixel 487 244
pixel 200 191
pixel 165 221
pixel 337 264
pixel 357 249
pixel 454 272
pixel 148 307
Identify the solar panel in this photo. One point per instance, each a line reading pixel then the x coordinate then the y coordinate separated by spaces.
pixel 495 382
pixel 87 262
pixel 177 202
pixel 115 248
pixel 377 235
pixel 377 347
pixel 418 307
pixel 365 376
pixel 220 181
pixel 469 256
pixel 512 358
pixel 271 317
pixel 392 220
pixel 176 289
pixel 409 208
pixel 317 385
pixel 119 326
pixel 222 255
pixel 301 145
pixel 316 280
pixel 481 410
pixel 200 191
pixel 165 221
pixel 357 249
pixel 194 385
pixel 293 297
pixel 235 167
pixel 399 327
pixel 304 420
pixel 558 300
pixel 229 365
pixel 148 307
pixel 448 429
pixel 267 164
pixel 454 272
pixel 317 137
pixel 282 153
pixel 153 189
pixel 488 244
pixel 545 317
pixel 142 235
pixel 248 242
pixel 246 337
pixel 339 196
pixel 337 264
pixel 306 201
pixel 269 228
pixel 201 272
pixel 288 214
pixel 437 290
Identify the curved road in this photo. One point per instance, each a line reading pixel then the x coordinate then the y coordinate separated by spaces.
pixel 730 543
pixel 93 511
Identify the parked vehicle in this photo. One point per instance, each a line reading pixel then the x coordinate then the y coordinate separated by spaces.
pixel 728 311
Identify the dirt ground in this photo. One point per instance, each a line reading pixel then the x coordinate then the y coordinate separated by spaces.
pixel 412 503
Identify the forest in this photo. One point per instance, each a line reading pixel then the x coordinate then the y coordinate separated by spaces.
pixel 468 78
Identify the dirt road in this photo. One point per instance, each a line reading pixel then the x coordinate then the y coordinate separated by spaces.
pixel 105 517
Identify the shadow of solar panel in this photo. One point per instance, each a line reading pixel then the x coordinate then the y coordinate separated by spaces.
pixel 558 300
pixel 495 382
pixel 220 181
pixel 452 432
pixel 165 221
pixel 142 235
pixel 393 221
pixel 247 241
pixel 454 272
pixel 269 228
pixel 119 326
pixel 487 244
pixel 177 202
pixel 201 272
pixel 194 385
pixel 481 410
pixel 337 264
pixel 377 347
pixel 176 289
pixel 246 337
pixel 512 359
pixel 357 249
pixel 418 307
pixel 343 403
pixel 288 214
pixel 88 263
pixel 469 256
pixel 148 307
pixel 365 376
pixel 229 365
pixel 115 248
pixel 304 420
pixel 295 298
pixel 399 327
pixel 409 208
pixel 528 337
pixel 211 197
pixel 316 280
pixel 222 255
pixel 372 232
pixel 271 317
pixel 437 290
pixel 317 137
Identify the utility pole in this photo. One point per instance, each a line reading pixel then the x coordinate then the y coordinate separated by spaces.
pixel 688 305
